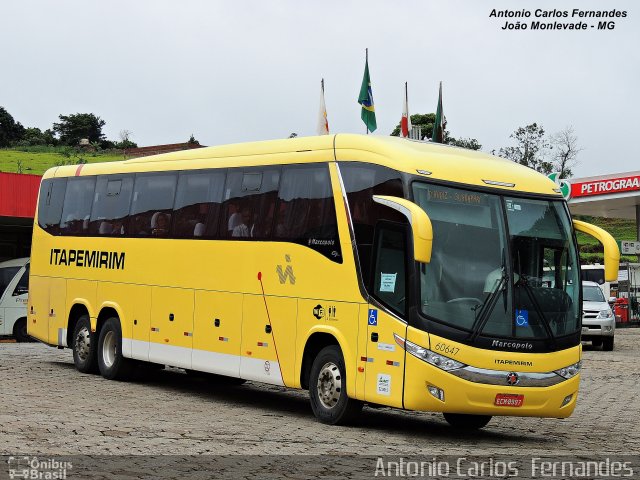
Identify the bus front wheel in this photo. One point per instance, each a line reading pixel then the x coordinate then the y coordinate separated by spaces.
pixel 328 389
pixel 112 365
pixel 84 346
pixel 466 422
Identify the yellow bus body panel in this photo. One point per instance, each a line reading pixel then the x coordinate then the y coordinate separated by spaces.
pixel 248 309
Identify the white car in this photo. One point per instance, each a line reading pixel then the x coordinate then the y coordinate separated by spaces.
pixel 598 320
pixel 14 291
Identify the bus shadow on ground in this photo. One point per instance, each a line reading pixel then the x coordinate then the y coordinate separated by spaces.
pixel 281 402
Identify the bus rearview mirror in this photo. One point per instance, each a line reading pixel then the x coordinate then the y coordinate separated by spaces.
pixel 421 228
pixel 611 250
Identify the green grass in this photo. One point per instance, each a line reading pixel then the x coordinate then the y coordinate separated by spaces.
pixel 38 161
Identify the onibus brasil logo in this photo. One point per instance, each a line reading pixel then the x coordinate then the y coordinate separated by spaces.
pixel 563 185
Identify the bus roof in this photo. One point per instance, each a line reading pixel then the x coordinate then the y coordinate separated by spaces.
pixel 433 161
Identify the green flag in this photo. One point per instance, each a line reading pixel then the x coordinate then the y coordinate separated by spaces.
pixel 365 99
pixel 440 123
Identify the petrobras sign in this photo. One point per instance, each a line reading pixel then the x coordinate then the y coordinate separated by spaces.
pixel 604 187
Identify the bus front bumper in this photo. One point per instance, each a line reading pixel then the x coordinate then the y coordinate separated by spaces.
pixel 428 388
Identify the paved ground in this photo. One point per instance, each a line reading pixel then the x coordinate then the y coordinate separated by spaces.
pixel 48 408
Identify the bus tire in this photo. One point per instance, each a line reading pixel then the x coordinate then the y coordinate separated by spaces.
pixel 463 421
pixel 84 343
pixel 20 331
pixel 328 389
pixel 607 344
pixel 112 365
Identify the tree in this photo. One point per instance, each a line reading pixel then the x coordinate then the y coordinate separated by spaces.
pixel 10 130
pixel 469 143
pixel 566 150
pixel 125 140
pixel 530 150
pixel 72 128
pixel 426 121
pixel 35 136
pixel 420 120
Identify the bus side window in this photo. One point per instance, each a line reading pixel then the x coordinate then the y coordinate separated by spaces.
pixel 306 211
pixel 23 284
pixel 6 276
pixel 362 181
pixel 152 204
pixel 198 202
pixel 110 212
pixel 50 204
pixel 249 206
pixel 390 266
pixel 76 210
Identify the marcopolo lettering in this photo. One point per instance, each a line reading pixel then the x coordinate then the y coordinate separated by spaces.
pixel 512 345
pixel 87 258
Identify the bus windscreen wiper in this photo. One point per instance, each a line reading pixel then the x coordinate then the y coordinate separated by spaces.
pixel 484 310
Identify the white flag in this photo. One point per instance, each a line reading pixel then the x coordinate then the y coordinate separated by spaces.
pixel 323 123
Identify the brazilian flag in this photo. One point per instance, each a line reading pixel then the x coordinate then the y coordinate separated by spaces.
pixel 365 99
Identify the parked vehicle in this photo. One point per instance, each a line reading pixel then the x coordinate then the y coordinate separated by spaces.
pixel 14 291
pixel 598 320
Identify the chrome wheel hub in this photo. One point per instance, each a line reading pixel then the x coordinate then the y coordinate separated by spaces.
pixel 83 344
pixel 329 385
pixel 109 349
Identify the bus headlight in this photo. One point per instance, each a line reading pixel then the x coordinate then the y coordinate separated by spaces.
pixel 570 371
pixel 435 359
pixel 605 313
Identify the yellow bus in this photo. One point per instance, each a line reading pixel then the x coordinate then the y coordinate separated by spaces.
pixel 364 269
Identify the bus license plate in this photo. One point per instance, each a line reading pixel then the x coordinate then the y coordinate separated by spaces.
pixel 508 400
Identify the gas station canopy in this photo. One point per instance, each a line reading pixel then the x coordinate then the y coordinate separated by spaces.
pixel 613 196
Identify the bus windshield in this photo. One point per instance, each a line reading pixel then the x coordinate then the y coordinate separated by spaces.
pixel 500 267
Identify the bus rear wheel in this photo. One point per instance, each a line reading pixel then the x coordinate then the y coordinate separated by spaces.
pixel 462 421
pixel 328 389
pixel 112 365
pixel 20 331
pixel 84 346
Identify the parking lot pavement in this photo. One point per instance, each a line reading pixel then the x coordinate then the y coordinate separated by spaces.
pixel 47 407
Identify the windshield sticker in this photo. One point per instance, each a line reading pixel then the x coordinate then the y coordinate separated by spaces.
pixel 513 206
pixel 388 282
pixel 522 318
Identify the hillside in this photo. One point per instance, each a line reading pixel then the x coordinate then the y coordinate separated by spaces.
pixel 36 160
pixel 591 249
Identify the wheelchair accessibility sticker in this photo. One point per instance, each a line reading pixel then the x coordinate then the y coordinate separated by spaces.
pixel 522 318
pixel 373 317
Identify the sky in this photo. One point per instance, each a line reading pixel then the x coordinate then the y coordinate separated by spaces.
pixel 245 70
